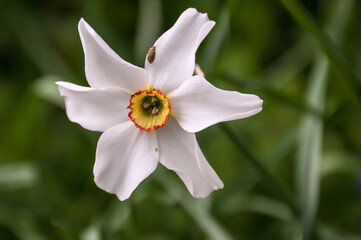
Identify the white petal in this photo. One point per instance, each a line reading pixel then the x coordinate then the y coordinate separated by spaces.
pixel 180 152
pixel 95 109
pixel 125 157
pixel 104 68
pixel 175 50
pixel 197 104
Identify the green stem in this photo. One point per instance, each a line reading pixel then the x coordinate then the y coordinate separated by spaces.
pixel 268 177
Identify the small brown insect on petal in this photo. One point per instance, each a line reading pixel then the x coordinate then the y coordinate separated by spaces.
pixel 156 149
pixel 151 55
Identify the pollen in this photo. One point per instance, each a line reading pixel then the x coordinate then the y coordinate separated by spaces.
pixel 149 109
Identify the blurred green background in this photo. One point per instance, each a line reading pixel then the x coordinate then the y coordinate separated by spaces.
pixel 291 172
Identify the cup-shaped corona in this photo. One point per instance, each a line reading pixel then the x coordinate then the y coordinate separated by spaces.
pixel 149 109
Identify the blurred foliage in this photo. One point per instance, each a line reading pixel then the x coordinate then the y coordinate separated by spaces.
pixel 302 58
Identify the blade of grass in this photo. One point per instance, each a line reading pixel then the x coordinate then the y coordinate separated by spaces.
pixel 272 182
pixel 332 122
pixel 21 222
pixel 311 128
pixel 32 39
pixel 214 44
pixel 337 161
pixel 91 233
pixel 302 48
pixel 309 160
pixel 325 232
pixel 338 61
pixel 248 179
pixel 258 204
pixel 108 222
pixel 18 175
pixel 196 208
pixel 290 63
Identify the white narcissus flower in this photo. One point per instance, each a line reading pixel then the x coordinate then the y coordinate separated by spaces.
pixel 151 115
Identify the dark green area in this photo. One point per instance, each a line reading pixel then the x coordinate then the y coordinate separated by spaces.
pixel 151 105
pixel 290 172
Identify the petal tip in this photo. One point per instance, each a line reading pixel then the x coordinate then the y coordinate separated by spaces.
pixel 60 83
pixel 257 102
pixel 81 23
pixel 260 103
pixel 195 12
pixel 83 26
pixel 109 190
pixel 206 194
pixel 61 87
pixel 191 10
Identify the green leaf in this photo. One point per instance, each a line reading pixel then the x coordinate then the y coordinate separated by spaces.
pixel 290 64
pixel 311 133
pixel 196 208
pixel 91 233
pixel 18 175
pixel 258 204
pixel 339 161
pixel 21 222
pixel 272 182
pixel 32 38
pixel 110 221
pixel 327 233
pixel 248 179
pixel 336 58
pixel 214 43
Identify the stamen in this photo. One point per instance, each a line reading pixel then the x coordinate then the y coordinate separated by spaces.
pixel 155 110
pixel 151 104
pixel 146 105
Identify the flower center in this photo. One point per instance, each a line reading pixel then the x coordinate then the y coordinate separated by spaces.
pixel 151 105
pixel 149 109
